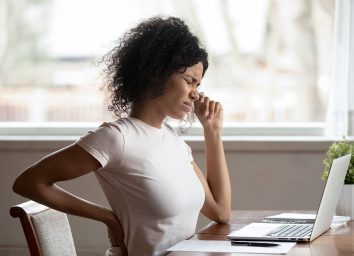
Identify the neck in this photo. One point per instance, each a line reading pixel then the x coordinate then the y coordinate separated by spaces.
pixel 148 114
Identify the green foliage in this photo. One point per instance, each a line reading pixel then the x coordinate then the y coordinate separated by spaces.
pixel 338 149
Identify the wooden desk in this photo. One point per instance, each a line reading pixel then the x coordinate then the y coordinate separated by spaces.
pixel 332 243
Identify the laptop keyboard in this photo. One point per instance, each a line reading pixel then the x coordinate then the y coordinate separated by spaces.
pixel 291 231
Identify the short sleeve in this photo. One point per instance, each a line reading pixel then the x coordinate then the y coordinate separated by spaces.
pixel 106 144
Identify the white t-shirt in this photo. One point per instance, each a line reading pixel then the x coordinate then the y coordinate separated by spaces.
pixel 149 181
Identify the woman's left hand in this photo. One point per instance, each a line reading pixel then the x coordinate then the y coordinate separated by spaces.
pixel 209 113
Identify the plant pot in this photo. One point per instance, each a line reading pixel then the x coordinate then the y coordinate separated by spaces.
pixel 345 205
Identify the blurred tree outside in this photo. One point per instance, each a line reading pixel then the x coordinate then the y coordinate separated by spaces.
pixel 269 59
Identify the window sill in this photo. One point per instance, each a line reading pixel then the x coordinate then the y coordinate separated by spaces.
pixel 231 143
pixel 275 137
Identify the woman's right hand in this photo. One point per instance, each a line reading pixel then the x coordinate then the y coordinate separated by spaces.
pixel 116 235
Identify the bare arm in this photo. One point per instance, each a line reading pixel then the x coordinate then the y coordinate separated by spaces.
pixel 216 185
pixel 37 183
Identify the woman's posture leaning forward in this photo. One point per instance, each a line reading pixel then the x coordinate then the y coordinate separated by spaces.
pixel 147 172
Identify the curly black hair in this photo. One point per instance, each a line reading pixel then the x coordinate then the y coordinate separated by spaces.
pixel 145 57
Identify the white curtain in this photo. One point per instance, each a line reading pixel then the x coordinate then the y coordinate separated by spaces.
pixel 340 121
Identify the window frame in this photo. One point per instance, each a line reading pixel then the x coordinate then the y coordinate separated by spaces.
pixel 248 130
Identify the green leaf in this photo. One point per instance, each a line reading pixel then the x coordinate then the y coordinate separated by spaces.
pixel 335 150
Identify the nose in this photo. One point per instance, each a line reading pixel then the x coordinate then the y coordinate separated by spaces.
pixel 194 94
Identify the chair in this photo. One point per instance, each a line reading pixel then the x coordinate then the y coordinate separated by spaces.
pixel 47 231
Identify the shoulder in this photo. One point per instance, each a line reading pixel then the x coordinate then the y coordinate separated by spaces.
pixel 125 127
pixel 106 143
pixel 119 126
pixel 107 131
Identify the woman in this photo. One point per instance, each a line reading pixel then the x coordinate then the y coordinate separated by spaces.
pixel 146 171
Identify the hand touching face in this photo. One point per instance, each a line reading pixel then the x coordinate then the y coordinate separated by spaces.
pixel 209 113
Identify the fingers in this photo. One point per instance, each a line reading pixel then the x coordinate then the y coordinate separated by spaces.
pixel 199 105
pixel 207 108
pixel 215 109
pixel 218 108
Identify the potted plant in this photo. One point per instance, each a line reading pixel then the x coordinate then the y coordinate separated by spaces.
pixel 346 202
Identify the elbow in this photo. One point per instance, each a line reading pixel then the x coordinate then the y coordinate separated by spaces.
pixel 223 216
pixel 26 184
pixel 223 219
pixel 18 186
pixel 27 189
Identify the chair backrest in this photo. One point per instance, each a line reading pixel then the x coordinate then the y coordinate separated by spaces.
pixel 47 231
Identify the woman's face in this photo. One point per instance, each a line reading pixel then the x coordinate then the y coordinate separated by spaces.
pixel 181 91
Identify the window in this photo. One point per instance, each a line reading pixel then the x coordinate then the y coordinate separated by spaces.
pixel 269 60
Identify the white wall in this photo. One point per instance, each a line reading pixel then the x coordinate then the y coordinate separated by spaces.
pixel 272 174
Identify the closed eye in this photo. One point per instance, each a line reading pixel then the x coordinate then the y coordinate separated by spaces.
pixel 188 81
pixel 191 83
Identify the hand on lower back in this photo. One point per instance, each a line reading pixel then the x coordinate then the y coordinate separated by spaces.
pixel 116 236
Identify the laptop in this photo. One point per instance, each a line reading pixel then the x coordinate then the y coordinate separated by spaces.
pixel 302 232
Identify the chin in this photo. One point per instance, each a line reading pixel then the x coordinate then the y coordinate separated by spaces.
pixel 178 116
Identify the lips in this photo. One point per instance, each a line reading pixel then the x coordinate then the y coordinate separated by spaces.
pixel 188 105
